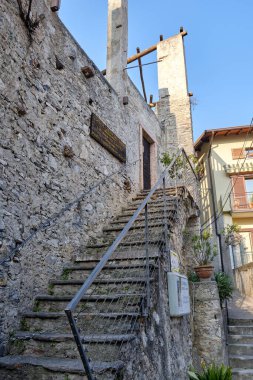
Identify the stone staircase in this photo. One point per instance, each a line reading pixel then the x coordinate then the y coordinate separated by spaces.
pixel 240 348
pixel 110 315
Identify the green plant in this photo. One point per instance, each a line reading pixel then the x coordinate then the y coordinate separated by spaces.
pixel 50 289
pixel 36 306
pixel 212 372
pixel 232 234
pixel 204 250
pixel 24 325
pixel 168 158
pixel 197 165
pixel 225 286
pixel 65 274
pixel 193 277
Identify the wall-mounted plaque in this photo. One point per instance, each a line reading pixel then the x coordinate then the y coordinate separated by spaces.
pixel 179 298
pixel 105 137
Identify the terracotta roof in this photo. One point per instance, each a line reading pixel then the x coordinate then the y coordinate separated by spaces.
pixel 205 137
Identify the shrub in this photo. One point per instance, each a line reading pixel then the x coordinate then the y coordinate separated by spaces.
pixel 212 372
pixel 225 286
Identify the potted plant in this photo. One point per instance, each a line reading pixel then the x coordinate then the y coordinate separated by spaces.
pixel 204 254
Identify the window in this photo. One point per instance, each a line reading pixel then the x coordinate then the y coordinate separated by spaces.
pixel 249 152
pixel 242 192
pixel 239 153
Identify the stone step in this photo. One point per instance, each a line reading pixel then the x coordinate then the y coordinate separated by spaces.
pixel 154 220
pixel 122 253
pixel 153 212
pixel 50 368
pixel 128 256
pixel 106 323
pixel 117 271
pixel 102 347
pixel 155 205
pixel 91 303
pixel 168 191
pixel 138 243
pixel 247 339
pixel 155 197
pixel 241 330
pixel 240 322
pixel 128 285
pixel 240 349
pixel 137 226
pixel 242 374
pixel 241 361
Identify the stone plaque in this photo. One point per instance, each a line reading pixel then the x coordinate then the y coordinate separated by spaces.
pixel 105 137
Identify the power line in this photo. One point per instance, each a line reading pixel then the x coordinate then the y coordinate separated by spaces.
pixel 233 185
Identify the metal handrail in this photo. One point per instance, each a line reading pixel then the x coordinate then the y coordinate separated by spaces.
pixel 108 254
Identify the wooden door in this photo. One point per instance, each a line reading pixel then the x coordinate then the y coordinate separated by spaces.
pixel 146 165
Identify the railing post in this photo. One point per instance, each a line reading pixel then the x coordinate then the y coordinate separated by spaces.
pixel 147 259
pixel 78 341
pixel 166 240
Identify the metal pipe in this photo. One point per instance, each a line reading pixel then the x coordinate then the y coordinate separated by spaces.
pixel 141 75
pixel 138 55
pixel 213 202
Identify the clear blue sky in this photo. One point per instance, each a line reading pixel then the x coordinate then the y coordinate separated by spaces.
pixel 219 49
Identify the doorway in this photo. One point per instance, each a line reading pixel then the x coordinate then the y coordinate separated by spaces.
pixel 146 164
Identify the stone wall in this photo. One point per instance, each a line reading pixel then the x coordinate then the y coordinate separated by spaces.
pixel 244 279
pixel 208 328
pixel 47 158
pixel 164 347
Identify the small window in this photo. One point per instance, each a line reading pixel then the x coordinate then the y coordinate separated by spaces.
pixel 238 153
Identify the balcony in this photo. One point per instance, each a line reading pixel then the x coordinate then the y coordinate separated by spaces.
pixel 240 256
pixel 242 202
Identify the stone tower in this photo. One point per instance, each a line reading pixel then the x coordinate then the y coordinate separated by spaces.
pixel 174 108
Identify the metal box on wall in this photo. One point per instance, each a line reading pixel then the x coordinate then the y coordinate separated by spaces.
pixel 179 298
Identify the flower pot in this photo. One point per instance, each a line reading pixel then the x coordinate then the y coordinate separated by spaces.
pixel 204 272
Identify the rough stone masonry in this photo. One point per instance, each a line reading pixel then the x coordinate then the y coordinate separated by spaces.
pixel 59 187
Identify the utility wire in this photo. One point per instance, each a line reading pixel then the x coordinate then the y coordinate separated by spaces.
pixel 233 185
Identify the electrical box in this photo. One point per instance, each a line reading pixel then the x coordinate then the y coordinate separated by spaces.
pixel 179 298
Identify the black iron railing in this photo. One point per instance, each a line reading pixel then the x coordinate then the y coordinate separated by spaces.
pixel 144 237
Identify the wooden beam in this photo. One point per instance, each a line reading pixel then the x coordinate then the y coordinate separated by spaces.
pixel 145 52
pixel 141 75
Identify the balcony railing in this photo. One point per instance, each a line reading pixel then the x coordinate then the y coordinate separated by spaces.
pixel 240 256
pixel 242 202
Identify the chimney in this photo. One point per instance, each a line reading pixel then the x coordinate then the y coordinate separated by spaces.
pixel 117 46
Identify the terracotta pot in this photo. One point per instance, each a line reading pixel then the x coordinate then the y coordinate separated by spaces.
pixel 204 271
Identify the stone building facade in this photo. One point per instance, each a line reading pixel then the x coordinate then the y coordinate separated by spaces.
pixel 59 186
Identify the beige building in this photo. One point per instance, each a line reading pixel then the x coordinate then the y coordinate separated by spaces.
pixel 226 157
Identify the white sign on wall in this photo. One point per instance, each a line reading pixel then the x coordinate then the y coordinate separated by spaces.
pixel 179 298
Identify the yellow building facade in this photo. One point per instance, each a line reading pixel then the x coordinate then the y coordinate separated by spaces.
pixel 225 157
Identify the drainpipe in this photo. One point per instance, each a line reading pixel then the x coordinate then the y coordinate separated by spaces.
pixel 225 315
pixel 213 201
